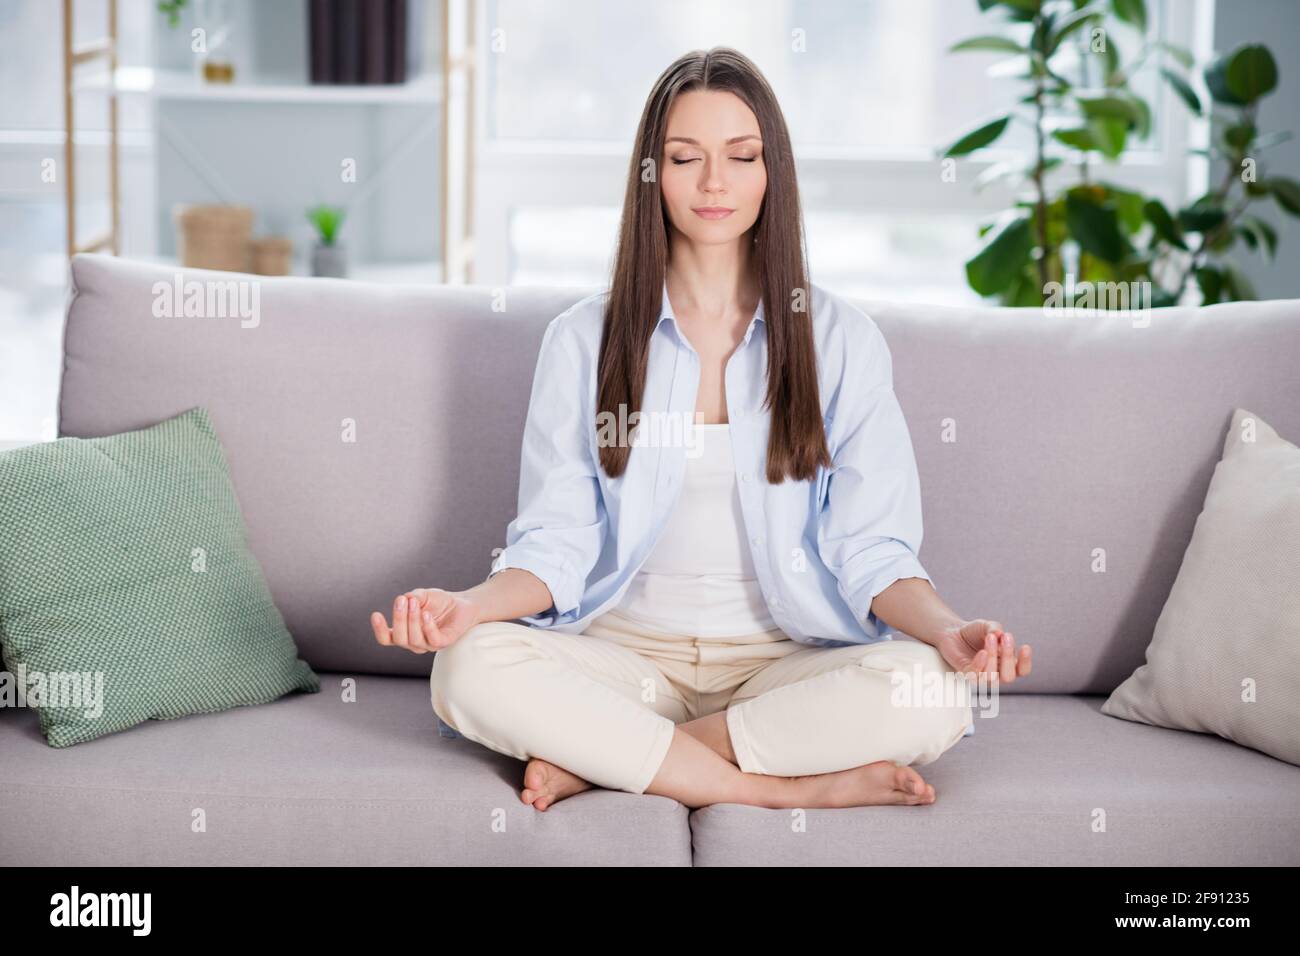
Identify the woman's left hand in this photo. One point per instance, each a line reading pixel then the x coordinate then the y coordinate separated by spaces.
pixel 981 646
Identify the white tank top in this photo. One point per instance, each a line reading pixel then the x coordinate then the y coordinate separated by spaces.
pixel 699 579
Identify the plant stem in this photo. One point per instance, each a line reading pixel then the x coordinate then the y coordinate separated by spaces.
pixel 1084 53
pixel 1221 194
pixel 1040 211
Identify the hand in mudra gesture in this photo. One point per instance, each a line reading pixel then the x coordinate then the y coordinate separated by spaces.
pixel 424 620
pixel 983 647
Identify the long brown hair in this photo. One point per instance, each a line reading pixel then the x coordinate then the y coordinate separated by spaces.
pixel 797 439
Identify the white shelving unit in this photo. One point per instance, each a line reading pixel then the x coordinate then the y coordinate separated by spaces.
pixel 425 89
pixel 275 142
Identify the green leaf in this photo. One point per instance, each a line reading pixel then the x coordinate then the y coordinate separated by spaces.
pixel 1131 11
pixel 1179 53
pixel 1107 105
pixel 1102 135
pixel 1242 76
pixel 1128 206
pixel 1096 228
pixel 1258 234
pixel 995 43
pixel 1238 284
pixel 1142 126
pixel 1003 255
pixel 1110 56
pixel 1041 34
pixel 1163 223
pixel 1202 216
pixel 1019 67
pixel 1251 72
pixel 1210 281
pixel 1240 135
pixel 1116 105
pixel 1109 135
pixel 1070 24
pixel 1216 81
pixel 1183 89
pixel 1076 138
pixel 1286 191
pixel 1022 9
pixel 1024 290
pixel 1200 220
pixel 995 172
pixel 327 220
pixel 1272 139
pixel 1221 241
pixel 978 138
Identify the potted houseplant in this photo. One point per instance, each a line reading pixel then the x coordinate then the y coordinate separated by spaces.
pixel 1078 101
pixel 328 257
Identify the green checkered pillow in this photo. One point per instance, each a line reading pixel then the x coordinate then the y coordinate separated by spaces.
pixel 127 590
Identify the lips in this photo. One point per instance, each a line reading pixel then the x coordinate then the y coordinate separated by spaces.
pixel 712 212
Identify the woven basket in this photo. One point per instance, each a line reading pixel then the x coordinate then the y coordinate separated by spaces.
pixel 272 256
pixel 214 237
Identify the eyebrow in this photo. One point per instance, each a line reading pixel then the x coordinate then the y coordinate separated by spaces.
pixel 695 142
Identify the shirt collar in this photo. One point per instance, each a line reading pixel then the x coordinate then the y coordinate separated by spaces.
pixel 666 314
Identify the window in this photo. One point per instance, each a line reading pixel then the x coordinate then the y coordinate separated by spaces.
pixel 869 92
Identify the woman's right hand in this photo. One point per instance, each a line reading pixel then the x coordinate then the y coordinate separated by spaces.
pixel 425 619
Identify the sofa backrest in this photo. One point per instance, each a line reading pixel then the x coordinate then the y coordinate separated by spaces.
pixel 1045 443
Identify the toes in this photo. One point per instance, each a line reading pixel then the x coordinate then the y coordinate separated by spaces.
pixel 907 799
pixel 909 781
pixel 534 775
pixel 911 788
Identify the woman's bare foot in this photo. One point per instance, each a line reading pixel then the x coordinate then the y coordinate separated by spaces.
pixel 545 784
pixel 873 784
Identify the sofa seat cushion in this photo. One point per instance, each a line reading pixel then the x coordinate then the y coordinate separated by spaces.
pixel 1034 786
pixel 308 779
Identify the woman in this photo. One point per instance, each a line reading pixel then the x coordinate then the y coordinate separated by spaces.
pixel 709 610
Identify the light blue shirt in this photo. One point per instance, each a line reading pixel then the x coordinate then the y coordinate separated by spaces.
pixel 822 549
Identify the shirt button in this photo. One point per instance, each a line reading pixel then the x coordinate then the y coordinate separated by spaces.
pixel 758 542
pixel 745 477
pixel 776 603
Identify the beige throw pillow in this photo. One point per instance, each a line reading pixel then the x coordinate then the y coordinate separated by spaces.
pixel 1225 655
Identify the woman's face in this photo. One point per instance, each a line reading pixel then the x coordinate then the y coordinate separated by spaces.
pixel 712 173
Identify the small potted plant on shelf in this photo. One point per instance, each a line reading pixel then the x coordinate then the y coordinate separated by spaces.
pixel 328 257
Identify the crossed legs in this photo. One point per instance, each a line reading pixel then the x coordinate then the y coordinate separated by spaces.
pixel 820 727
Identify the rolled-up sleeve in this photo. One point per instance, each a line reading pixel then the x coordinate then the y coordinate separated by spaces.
pixel 560 527
pixel 869 532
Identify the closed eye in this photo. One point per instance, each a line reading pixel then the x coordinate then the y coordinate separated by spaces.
pixel 739 159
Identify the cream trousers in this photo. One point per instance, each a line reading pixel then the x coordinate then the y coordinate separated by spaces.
pixel 604 704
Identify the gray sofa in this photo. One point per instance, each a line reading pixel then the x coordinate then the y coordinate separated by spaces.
pixel 1073 433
